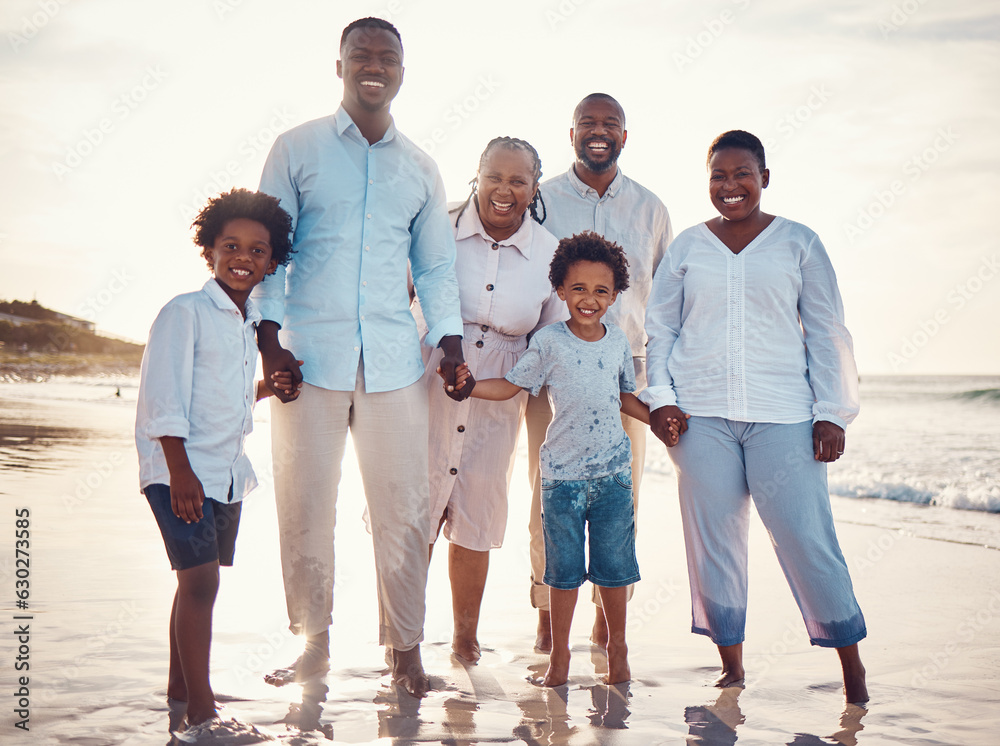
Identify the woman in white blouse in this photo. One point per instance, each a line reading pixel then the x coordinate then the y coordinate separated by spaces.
pixel 502 266
pixel 747 339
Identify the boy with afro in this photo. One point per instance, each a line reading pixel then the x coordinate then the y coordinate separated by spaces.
pixel 194 411
pixel 586 458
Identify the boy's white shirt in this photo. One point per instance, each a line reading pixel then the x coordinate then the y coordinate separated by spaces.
pixel 197 383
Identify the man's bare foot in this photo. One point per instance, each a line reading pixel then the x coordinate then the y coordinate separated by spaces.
pixel 466 649
pixel 558 671
pixel 599 634
pixel 305 668
pixel 408 672
pixel 543 634
pixel 618 669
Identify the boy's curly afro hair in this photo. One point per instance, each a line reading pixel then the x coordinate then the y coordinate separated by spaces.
pixel 242 203
pixel 589 247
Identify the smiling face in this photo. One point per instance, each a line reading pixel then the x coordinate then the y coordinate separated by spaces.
pixel 241 257
pixel 598 134
pixel 735 183
pixel 505 187
pixel 589 290
pixel 371 66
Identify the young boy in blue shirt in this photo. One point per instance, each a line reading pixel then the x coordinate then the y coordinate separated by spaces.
pixel 194 411
pixel 586 458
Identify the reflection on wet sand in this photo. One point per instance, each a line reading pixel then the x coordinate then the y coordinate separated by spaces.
pixel 26 447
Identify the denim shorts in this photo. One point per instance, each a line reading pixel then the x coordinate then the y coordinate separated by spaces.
pixel 600 510
pixel 192 544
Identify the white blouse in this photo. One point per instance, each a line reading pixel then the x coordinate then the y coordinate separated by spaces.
pixel 757 336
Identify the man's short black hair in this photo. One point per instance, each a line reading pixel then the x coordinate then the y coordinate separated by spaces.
pixel 370 24
pixel 242 203
pixel 598 97
pixel 588 247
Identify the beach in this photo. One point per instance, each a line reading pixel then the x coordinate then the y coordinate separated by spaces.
pixel 927 575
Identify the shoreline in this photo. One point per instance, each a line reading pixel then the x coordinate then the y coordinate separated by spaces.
pixel 36 367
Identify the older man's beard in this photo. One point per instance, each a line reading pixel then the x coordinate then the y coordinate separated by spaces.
pixel 599 167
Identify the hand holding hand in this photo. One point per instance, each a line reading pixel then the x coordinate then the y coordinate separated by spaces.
pixel 668 424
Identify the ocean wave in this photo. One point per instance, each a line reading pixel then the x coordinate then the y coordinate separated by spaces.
pixel 981 496
pixel 989 395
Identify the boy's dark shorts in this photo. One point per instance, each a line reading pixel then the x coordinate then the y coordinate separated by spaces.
pixel 192 544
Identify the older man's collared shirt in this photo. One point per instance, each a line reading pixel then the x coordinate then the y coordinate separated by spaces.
pixel 360 214
pixel 197 383
pixel 632 217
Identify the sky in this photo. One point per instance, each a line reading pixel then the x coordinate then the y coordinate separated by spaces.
pixel 119 119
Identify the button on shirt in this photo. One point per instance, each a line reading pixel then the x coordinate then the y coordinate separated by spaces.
pixel 360 214
pixel 197 383
pixel 757 336
pixel 632 217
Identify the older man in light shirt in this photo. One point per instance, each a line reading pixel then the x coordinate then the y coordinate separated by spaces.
pixel 594 195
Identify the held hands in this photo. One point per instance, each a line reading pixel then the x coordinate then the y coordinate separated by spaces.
pixel 464 382
pixel 828 441
pixel 668 424
pixel 448 367
pixel 282 375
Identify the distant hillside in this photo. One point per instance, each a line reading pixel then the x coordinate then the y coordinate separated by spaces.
pixel 30 327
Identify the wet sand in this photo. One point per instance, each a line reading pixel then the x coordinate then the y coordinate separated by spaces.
pixel 101 590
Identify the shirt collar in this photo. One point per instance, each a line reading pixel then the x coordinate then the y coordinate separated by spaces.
pixel 342 122
pixel 469 224
pixel 583 189
pixel 224 302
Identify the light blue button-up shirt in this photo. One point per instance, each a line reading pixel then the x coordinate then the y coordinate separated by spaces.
pixel 359 212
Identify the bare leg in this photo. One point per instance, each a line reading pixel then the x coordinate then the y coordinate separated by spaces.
pixel 408 672
pixel 543 634
pixel 855 688
pixel 314 661
pixel 467 569
pixel 599 634
pixel 561 606
pixel 614 601
pixel 175 676
pixel 732 665
pixel 196 591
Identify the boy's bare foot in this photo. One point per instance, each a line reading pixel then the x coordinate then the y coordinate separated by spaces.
pixel 543 634
pixel 558 671
pixel 466 649
pixel 599 634
pixel 408 672
pixel 618 668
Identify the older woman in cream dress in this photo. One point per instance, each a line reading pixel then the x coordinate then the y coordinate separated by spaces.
pixel 502 265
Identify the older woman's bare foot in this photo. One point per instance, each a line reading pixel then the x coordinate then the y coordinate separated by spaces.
pixel 618 668
pixel 558 671
pixel 599 634
pixel 543 635
pixel 314 662
pixel 408 672
pixel 466 649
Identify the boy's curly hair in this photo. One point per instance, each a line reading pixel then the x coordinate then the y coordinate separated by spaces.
pixel 588 247
pixel 242 203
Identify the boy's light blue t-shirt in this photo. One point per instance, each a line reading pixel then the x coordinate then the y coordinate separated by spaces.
pixel 585 439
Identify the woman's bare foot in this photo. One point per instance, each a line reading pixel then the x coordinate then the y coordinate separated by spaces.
pixel 618 668
pixel 558 671
pixel 855 685
pixel 543 634
pixel 466 649
pixel 732 666
pixel 599 634
pixel 314 662
pixel 408 672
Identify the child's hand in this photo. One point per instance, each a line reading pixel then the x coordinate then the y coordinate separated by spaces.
pixel 283 381
pixel 673 433
pixel 462 375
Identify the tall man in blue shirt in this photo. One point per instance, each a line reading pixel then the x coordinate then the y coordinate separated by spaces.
pixel 365 202
pixel 594 195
